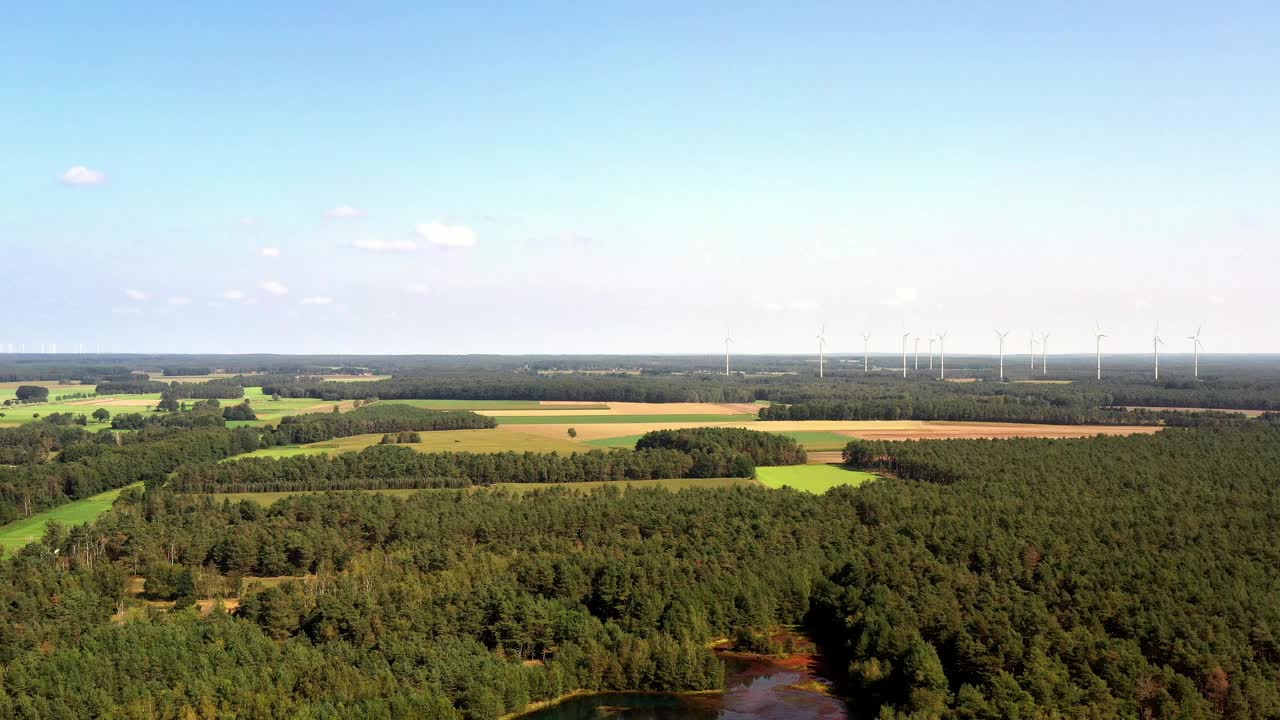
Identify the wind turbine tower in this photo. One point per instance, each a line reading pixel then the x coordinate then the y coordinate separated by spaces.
pixel 1155 348
pixel 917 367
pixel 1196 347
pixel 822 340
pixel 942 355
pixel 1044 354
pixel 1031 343
pixel 1002 336
pixel 1097 336
pixel 727 340
pixel 866 339
pixel 906 334
pixel 932 340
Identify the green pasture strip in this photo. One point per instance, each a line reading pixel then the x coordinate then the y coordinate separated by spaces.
pixel 18 533
pixel 815 479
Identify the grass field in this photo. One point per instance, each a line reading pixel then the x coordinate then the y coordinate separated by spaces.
pixel 266 498
pixel 17 534
pixel 811 478
pixel 625 442
pixel 813 440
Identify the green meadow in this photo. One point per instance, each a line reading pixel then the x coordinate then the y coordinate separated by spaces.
pixel 815 479
pixel 17 534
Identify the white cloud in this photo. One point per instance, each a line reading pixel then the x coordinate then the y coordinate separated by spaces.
pixel 136 295
pixel 269 252
pixel 273 287
pixel 903 296
pixel 1217 300
pixel 317 300
pixel 233 294
pixel 373 245
pixel 343 212
pixel 444 235
pixel 418 289
pixel 179 300
pixel 81 175
pixel 248 221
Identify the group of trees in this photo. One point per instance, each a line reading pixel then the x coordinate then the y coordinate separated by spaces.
pixel 374 418
pixel 1106 577
pixel 726 452
pixel 388 466
pixel 224 389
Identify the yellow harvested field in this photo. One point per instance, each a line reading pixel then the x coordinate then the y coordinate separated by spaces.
pixel 866 429
pixel 937 430
pixel 634 408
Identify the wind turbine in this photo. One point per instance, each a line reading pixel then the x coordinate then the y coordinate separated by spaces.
pixel 1155 348
pixel 1098 335
pixel 917 367
pixel 822 340
pixel 1002 336
pixel 866 338
pixel 1031 343
pixel 1196 346
pixel 727 340
pixel 942 355
pixel 932 340
pixel 1044 354
pixel 906 334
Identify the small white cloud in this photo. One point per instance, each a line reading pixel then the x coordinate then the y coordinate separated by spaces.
pixel 418 289
pixel 342 212
pixel 248 221
pixel 317 300
pixel 136 295
pixel 81 175
pixel 1217 300
pixel 437 233
pixel 903 296
pixel 232 294
pixel 373 245
pixel 269 252
pixel 179 300
pixel 273 287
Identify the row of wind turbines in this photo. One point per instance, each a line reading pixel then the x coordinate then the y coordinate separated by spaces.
pixel 1033 340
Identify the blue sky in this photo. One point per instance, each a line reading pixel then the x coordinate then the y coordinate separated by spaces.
pixel 314 177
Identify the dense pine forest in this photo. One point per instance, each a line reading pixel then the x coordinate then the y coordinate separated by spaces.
pixel 1108 577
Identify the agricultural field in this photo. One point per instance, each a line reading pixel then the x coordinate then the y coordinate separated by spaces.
pixel 498 405
pixel 815 479
pixel 695 419
pixel 479 441
pixel 17 534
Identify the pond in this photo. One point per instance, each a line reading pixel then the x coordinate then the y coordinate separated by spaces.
pixel 754 690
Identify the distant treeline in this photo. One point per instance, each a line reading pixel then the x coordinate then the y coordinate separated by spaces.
pixel 180 390
pixel 376 418
pixel 94 467
pixel 593 388
pixel 189 371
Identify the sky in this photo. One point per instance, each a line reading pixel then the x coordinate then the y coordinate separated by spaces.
pixel 637 177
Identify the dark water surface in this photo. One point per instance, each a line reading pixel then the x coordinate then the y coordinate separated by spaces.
pixel 755 690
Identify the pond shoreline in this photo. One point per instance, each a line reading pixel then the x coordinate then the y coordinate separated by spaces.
pixel 807 663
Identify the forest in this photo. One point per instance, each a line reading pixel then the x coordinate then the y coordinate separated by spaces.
pixel 178 390
pixel 1103 577
pixel 373 418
